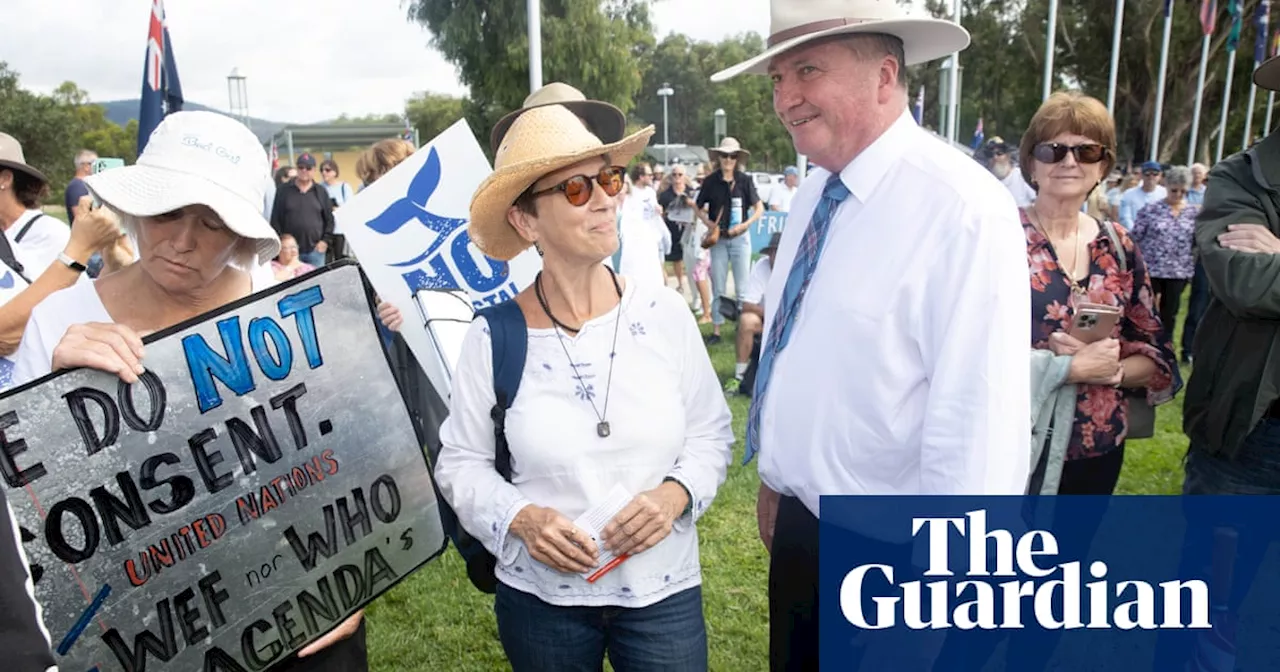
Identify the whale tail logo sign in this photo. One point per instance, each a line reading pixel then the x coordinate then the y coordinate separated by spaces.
pixel 431 268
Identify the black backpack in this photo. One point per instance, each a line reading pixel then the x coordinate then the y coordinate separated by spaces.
pixel 508 335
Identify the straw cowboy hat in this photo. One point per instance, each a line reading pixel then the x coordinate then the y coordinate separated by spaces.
pixel 795 22
pixel 541 140
pixel 1267 75
pixel 11 157
pixel 605 120
pixel 728 145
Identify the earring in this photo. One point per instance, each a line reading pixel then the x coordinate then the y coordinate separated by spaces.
pixel 537 247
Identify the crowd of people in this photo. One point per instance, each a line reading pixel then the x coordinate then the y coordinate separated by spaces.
pixel 924 325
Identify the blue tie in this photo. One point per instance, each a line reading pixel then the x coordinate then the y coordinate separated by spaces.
pixel 802 268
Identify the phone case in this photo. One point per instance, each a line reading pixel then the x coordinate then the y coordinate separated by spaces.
pixel 1093 322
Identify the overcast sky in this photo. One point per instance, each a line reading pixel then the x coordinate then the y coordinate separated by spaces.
pixel 305 60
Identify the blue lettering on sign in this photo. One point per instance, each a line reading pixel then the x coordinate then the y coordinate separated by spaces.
pixel 232 370
pixel 431 269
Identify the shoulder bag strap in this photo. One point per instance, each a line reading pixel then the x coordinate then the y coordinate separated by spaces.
pixel 22 233
pixel 1121 256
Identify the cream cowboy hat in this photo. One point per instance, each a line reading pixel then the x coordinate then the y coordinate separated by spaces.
pixel 728 145
pixel 605 120
pixel 541 140
pixel 795 22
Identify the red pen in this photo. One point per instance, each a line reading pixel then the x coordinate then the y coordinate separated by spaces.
pixel 606 568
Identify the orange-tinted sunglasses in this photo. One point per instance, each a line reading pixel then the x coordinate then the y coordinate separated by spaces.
pixel 577 189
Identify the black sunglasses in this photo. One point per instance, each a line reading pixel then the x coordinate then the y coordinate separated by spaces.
pixel 1053 152
pixel 577 189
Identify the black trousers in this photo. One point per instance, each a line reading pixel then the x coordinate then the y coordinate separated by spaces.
pixel 793 589
pixel 1170 293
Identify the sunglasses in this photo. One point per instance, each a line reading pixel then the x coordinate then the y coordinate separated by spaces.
pixel 1151 173
pixel 1054 152
pixel 577 189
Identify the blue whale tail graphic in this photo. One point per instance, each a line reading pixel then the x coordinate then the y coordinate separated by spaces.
pixel 414 204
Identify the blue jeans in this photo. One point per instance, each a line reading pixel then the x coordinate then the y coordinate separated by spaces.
pixel 314 258
pixel 726 251
pixel 670 635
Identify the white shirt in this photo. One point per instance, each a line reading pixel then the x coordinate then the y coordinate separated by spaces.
pixel 1022 192
pixel 40 247
pixel 907 369
pixel 668 417
pixel 50 320
pixel 758 282
pixel 780 197
pixel 640 256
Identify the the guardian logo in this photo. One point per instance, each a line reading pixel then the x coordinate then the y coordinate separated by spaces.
pixel 1039 592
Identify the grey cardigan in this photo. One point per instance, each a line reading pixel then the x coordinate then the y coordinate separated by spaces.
pixel 1053 404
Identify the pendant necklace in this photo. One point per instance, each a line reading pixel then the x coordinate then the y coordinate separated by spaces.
pixel 602 427
pixel 1078 290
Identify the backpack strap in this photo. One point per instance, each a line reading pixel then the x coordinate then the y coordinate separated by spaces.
pixel 8 257
pixel 509 337
pixel 22 233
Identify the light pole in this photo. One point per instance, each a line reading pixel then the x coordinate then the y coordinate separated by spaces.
pixel 665 92
pixel 238 95
pixel 720 131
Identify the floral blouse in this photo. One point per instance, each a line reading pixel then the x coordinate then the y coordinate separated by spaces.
pixel 1166 239
pixel 1101 411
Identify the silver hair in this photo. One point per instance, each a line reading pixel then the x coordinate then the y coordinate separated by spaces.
pixel 1177 176
pixel 85 156
pixel 244 256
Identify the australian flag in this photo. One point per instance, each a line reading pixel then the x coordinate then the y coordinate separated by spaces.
pixel 161 91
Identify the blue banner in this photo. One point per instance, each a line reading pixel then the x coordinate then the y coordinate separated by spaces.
pixel 770 222
pixel 1030 583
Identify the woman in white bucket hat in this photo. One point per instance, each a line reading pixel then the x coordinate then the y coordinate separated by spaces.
pixel 631 416
pixel 193 202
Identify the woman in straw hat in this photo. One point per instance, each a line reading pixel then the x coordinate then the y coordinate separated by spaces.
pixel 604 414
pixel 193 203
pixel 728 204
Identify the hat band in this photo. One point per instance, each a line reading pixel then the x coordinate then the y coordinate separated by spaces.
pixel 814 27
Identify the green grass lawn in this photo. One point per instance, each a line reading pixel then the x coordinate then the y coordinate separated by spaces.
pixel 436 620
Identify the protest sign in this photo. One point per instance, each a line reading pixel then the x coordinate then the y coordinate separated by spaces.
pixel 409 231
pixel 770 222
pixel 259 484
pixel 11 285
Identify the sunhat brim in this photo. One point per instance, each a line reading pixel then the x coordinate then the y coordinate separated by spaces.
pixel 24 168
pixel 923 40
pixel 1267 75
pixel 606 121
pixel 148 191
pixel 489 228
pixel 719 151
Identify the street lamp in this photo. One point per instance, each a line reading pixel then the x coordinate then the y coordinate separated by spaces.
pixel 238 95
pixel 720 131
pixel 665 92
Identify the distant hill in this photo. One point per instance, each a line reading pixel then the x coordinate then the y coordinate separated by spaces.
pixel 121 111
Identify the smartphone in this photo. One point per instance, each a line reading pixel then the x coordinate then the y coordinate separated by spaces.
pixel 1093 322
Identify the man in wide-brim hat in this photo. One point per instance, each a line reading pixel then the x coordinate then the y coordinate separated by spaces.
pixel 895 356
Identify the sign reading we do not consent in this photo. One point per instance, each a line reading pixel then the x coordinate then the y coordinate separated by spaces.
pixel 258 485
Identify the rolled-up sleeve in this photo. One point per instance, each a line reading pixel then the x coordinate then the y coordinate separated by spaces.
pixel 708 444
pixel 465 470
pixel 976 433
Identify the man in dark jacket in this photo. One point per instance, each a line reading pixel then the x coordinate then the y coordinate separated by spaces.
pixel 1232 407
pixel 303 210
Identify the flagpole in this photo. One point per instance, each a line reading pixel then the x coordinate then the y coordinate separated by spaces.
pixel 1195 116
pixel 1050 40
pixel 1248 117
pixel 1164 63
pixel 953 95
pixel 1115 58
pixel 535 44
pixel 1271 101
pixel 1226 104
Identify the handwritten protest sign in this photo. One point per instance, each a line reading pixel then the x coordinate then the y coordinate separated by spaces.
pixel 259 484
pixel 409 230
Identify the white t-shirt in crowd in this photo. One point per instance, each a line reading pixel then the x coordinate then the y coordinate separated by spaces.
pixel 1022 192
pixel 51 319
pixel 780 197
pixel 43 242
pixel 641 255
pixel 667 416
pixel 645 201
pixel 758 282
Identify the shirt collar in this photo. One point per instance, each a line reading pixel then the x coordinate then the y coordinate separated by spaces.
pixel 867 169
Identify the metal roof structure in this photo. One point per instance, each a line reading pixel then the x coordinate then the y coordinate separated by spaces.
pixel 335 137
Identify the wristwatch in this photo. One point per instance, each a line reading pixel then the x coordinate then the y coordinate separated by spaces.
pixel 71 263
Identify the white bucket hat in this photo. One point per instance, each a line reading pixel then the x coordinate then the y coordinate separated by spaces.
pixel 197 158
pixel 795 22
